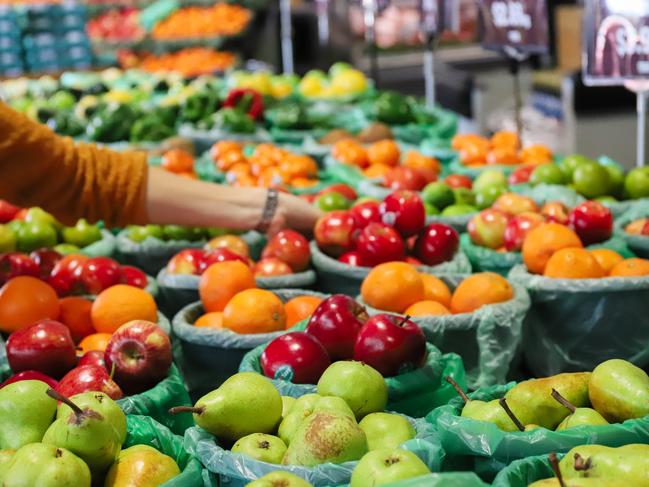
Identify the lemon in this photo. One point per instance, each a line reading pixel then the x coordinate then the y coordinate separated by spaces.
pixel 349 82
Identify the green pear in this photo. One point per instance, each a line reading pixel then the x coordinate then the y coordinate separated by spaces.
pixel 629 463
pixel 5 457
pixel 386 430
pixel 386 466
pixel 246 403
pixel 82 234
pixel 104 405
pixel 262 447
pixel 578 416
pixel 279 479
pixel 326 437
pixel 41 465
pixel 143 466
pixel 304 407
pixel 362 387
pixel 619 391
pixel 287 405
pixel 31 412
pixel 586 482
pixel 86 433
pixel 535 398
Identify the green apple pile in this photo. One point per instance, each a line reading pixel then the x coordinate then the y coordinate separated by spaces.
pixel 139 233
pixel 615 391
pixel 39 229
pixel 76 444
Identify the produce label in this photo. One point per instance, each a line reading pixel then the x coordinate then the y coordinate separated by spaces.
pixel 616 41
pixel 514 24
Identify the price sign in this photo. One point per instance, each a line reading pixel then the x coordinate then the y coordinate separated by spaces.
pixel 430 12
pixel 616 41
pixel 514 24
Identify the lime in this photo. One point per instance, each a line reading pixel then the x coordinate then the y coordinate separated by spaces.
pixel 547 174
pixel 37 214
pixel 487 197
pixel 490 177
pixel 35 235
pixel 570 163
pixel 591 179
pixel 457 210
pixel 438 194
pixel 464 196
pixel 636 183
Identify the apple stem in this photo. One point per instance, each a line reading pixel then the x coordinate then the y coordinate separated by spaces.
pixel 510 413
pixel 563 401
pixel 457 387
pixel 554 463
pixel 580 464
pixel 404 320
pixel 112 371
pixel 186 409
pixel 65 400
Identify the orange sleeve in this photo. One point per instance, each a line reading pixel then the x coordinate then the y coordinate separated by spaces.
pixel 71 181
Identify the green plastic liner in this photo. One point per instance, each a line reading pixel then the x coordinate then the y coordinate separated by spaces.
pixel 639 244
pixel 101 248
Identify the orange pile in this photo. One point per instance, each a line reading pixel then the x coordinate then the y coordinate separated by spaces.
pixel 268 166
pixel 503 148
pixel 179 162
pixel 193 61
pixel 220 19
pixel 399 288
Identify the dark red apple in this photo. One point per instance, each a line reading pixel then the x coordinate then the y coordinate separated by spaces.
pixel 521 175
pixel 517 229
pixel 141 353
pixel 46 260
pixel 391 344
pixel 87 378
pixel 366 213
pixel 343 189
pixel 45 346
pixel 271 266
pixel 334 232
pixel 99 273
pixel 458 181
pixel 353 258
pixel 13 264
pixel 132 276
pixel 7 211
pixel 290 247
pixel 304 354
pixel 335 324
pixel 379 243
pixel 31 375
pixel 402 177
pixel 436 243
pixel 92 357
pixel 65 275
pixel 592 221
pixel 220 254
pixel 186 261
pixel 404 210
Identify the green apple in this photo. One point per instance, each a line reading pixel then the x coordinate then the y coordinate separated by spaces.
pixel 7 239
pixel 332 201
pixel 82 234
pixel 139 233
pixel 35 235
pixel 262 447
pixel 430 209
pixel 487 197
pixel 176 232
pixel 365 199
pixel 386 430
pixel 591 180
pixel 65 249
pixel 458 210
pixel 15 225
pixel 37 214
pixel 570 163
pixel 438 194
pixel 489 178
pixel 384 466
pixel 464 196
pixel 548 173
pixel 636 183
pixel 616 178
pixel 279 478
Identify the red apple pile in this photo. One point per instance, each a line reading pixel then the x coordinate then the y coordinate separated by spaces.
pixel 72 274
pixel 504 226
pixel 372 233
pixel 639 226
pixel 340 329
pixel 117 25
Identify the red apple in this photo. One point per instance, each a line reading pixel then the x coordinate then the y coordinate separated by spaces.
pixel 335 324
pixel 592 221
pixel 353 258
pixel 132 276
pixel 436 243
pixel 645 228
pixel 334 232
pixel 458 181
pixel 45 346
pixel 515 204
pixel 521 175
pixel 186 261
pixel 402 177
pixel 141 352
pixel 46 260
pixel 65 275
pixel 99 273
pixel 304 354
pixel 390 344
pixel 217 255
pixel 92 357
pixel 87 378
pixel 290 247
pixel 517 229
pixel 31 375
pixel 379 243
pixel 366 213
pixel 555 211
pixel 13 264
pixel 344 189
pixel 413 261
pixel 404 210
pixel 271 266
pixel 7 211
pixel 487 228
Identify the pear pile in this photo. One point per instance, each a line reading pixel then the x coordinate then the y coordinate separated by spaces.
pixel 75 444
pixel 615 391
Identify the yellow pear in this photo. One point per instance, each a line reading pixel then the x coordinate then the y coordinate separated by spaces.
pixel 141 466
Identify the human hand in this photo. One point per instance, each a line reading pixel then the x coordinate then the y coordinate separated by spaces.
pixel 295 213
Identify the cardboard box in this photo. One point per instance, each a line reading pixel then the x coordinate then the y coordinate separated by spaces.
pixel 568 21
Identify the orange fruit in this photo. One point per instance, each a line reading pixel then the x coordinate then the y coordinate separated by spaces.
pixel 503 155
pixel 300 308
pixel 463 140
pixel 96 341
pixel 24 300
pixel 631 268
pixel 473 155
pixel 223 146
pixel 302 182
pixel 376 171
pixel 210 320
pixel 254 311
pixel 545 240
pixel 220 282
pixel 573 263
pixel 392 286
pixel 120 304
pixel 178 161
pixel 479 290
pixel 350 152
pixel 505 139
pixel 536 154
pixel 436 290
pixel 296 166
pixel 230 242
pixel 75 314
pixel 229 159
pixel 607 258
pixel 416 160
pixel 384 152
pixel 515 204
pixel 636 227
pixel 425 308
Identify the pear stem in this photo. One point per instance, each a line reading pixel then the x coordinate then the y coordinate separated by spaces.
pixel 403 321
pixel 563 401
pixel 580 464
pixel 510 413
pixel 186 409
pixel 554 463
pixel 65 400
pixel 457 387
